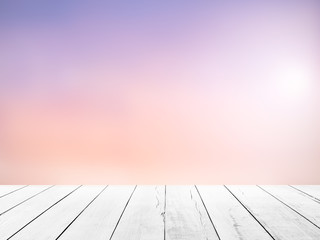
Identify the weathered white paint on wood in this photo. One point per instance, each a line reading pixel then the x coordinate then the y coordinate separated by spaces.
pixel 312 190
pixel 51 224
pixel 186 217
pixel 231 219
pixel 278 219
pixel 18 197
pixel 297 201
pixel 99 220
pixel 148 212
pixel 8 189
pixel 143 218
pixel 13 220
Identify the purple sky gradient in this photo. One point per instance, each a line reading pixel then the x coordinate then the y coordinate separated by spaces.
pixel 159 91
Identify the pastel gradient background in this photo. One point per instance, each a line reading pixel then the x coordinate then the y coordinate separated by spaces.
pixel 168 91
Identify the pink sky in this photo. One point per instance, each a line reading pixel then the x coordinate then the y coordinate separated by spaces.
pixel 168 92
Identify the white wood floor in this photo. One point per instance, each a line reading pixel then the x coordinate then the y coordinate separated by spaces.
pixel 160 212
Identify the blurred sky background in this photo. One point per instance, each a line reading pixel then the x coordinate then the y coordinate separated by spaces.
pixel 169 91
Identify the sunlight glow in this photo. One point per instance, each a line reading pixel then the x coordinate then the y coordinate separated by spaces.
pixel 294 82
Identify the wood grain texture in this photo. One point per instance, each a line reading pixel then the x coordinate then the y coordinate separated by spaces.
pixel 18 197
pixel 14 220
pixel 186 217
pixel 51 224
pixel 279 220
pixel 160 212
pixel 100 219
pixel 144 216
pixel 231 219
pixel 311 190
pixel 298 201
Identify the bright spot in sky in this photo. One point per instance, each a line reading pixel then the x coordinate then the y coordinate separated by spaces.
pixel 294 83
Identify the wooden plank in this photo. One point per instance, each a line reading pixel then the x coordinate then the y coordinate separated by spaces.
pixel 143 218
pixel 310 190
pixel 296 200
pixel 230 218
pixel 186 216
pixel 17 218
pixel 51 224
pixel 18 197
pixel 279 220
pixel 100 219
pixel 8 189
